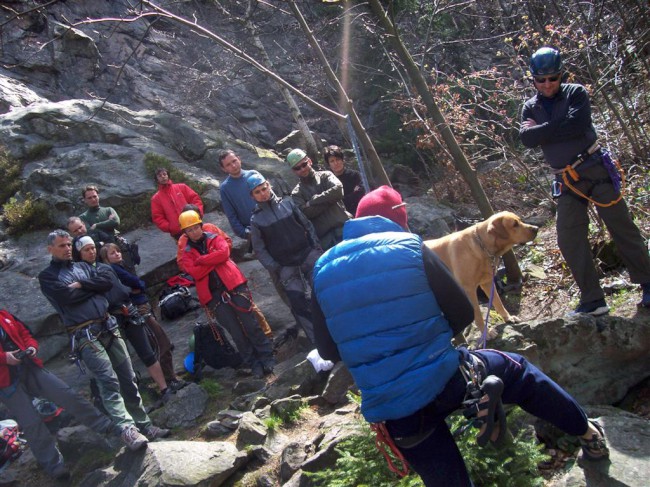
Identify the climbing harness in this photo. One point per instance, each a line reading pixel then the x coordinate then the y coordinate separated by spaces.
pixel 357 153
pixel 569 176
pixel 478 386
pixel 226 298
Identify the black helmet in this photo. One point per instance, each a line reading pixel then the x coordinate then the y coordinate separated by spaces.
pixel 546 60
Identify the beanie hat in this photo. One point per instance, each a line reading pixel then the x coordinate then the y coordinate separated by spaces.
pixel 295 156
pixel 82 242
pixel 254 180
pixel 384 201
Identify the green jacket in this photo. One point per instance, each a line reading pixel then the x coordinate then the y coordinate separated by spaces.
pixel 320 197
pixel 101 218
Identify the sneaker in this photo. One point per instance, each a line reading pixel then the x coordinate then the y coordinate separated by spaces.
pixel 593 308
pixel 645 299
pixel 154 432
pixel 60 472
pixel 133 439
pixel 596 447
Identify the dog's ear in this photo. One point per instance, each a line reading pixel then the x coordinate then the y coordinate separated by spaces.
pixel 498 227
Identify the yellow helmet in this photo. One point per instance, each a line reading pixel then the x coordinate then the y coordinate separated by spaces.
pixel 189 218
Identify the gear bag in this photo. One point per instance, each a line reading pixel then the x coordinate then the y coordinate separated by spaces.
pixel 214 346
pixel 11 445
pixel 175 301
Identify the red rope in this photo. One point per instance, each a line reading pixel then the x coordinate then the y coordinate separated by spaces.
pixel 382 440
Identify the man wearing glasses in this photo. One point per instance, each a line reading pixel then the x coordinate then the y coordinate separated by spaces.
pixel 558 120
pixel 319 195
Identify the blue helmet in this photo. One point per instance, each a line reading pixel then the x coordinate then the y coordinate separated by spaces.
pixel 546 60
pixel 254 180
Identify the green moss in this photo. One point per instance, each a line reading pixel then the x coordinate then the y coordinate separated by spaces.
pixel 37 151
pixel 212 387
pixel 137 213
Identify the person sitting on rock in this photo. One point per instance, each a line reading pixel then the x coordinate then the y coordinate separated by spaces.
pixel 222 289
pixel 168 203
pixel 132 324
pixel 22 378
pixel 285 243
pixel 386 305
pixel 319 195
pixel 353 189
pixel 112 255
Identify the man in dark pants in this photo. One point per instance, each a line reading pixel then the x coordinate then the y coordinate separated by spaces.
pixel 22 377
pixel 388 307
pixel 558 120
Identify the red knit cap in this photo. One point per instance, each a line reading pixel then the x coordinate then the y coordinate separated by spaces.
pixel 384 201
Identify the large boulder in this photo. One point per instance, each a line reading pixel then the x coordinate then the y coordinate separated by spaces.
pixel 596 359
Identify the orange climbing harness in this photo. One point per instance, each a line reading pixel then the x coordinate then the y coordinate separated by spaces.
pixel 570 176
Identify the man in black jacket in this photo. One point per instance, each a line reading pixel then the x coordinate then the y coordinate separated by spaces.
pixel 558 120
pixel 76 291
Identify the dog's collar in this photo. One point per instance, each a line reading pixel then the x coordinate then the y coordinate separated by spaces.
pixel 493 258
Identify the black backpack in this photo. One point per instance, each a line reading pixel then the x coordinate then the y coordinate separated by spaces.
pixel 214 346
pixel 130 251
pixel 175 301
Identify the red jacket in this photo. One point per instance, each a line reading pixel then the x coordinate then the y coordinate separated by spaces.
pixel 216 259
pixel 167 205
pixel 20 335
pixel 182 242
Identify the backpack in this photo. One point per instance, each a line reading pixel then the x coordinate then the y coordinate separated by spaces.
pixel 130 251
pixel 175 301
pixel 214 346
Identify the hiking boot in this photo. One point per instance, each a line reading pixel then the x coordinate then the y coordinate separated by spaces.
pixel 60 472
pixel 645 298
pixel 593 308
pixel 257 370
pixel 133 439
pixel 268 369
pixel 177 384
pixel 596 447
pixel 154 432
pixel 166 395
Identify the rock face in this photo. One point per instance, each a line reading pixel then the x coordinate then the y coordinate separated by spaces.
pixel 596 359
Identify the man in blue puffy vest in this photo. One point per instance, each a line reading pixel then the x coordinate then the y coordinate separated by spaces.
pixel 388 307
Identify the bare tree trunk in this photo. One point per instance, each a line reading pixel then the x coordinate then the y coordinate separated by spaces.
pixel 311 147
pixel 376 168
pixel 458 156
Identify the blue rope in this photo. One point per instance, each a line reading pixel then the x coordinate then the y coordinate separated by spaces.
pixel 357 153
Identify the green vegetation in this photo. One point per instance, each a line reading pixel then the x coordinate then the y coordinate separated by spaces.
pixel 137 213
pixel 361 464
pixel 9 175
pixel 153 161
pixel 273 423
pixel 38 151
pixel 212 387
pixel 28 214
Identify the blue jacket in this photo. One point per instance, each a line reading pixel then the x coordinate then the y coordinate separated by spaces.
pixel 237 202
pixel 384 318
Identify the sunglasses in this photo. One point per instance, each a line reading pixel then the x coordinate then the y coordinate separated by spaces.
pixel 544 79
pixel 299 167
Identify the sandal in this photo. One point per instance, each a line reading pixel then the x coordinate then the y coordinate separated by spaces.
pixel 596 447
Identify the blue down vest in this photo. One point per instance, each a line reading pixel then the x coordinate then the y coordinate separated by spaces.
pixel 384 318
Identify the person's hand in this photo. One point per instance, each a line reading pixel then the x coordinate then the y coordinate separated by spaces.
pixel 11 360
pixel 31 351
pixel 75 285
pixel 93 226
pixel 528 123
pixel 111 216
